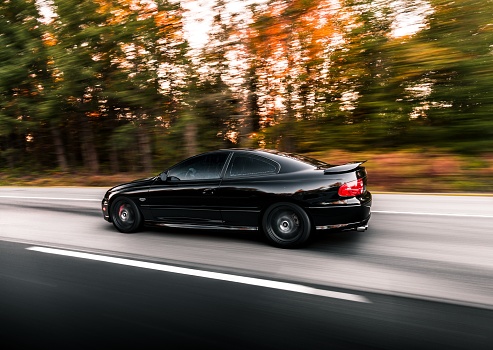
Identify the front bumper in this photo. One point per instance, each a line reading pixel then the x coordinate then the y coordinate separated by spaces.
pixel 105 209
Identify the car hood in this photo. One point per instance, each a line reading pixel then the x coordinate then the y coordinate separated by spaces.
pixel 133 186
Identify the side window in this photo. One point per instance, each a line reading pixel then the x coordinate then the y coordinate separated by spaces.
pixel 244 165
pixel 206 166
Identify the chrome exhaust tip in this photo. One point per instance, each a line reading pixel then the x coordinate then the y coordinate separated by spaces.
pixel 362 228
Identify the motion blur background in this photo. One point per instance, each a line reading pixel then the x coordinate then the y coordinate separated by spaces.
pixel 98 92
pixel 111 89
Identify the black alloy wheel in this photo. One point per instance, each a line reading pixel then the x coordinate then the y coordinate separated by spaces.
pixel 286 225
pixel 125 215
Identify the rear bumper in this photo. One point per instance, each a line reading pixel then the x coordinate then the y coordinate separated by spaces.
pixel 345 215
pixel 359 226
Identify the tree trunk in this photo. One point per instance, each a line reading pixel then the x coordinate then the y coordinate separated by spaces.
pixel 287 142
pixel 145 148
pixel 115 166
pixel 190 136
pixel 246 130
pixel 288 137
pixel 89 154
pixel 59 148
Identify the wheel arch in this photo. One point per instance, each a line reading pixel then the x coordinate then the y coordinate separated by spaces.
pixel 281 200
pixel 296 225
pixel 130 196
pixel 125 197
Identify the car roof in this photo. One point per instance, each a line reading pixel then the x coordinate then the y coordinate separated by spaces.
pixel 288 161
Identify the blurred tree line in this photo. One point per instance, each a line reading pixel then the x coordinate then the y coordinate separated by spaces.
pixel 114 85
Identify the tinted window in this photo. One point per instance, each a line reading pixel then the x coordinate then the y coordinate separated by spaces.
pixel 206 166
pixel 243 165
pixel 298 157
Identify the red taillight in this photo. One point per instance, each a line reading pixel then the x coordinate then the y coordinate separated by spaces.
pixel 352 188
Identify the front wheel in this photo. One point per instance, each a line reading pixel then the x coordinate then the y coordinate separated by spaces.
pixel 125 215
pixel 286 225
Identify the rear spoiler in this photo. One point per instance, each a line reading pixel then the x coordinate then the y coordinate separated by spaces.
pixel 345 168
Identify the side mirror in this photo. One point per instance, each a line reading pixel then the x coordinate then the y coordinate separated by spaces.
pixel 163 176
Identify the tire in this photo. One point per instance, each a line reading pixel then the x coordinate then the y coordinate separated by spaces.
pixel 286 225
pixel 125 215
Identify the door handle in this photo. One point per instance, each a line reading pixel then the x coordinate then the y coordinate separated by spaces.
pixel 208 191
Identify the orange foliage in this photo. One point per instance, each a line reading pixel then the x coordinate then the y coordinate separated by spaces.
pixel 120 13
pixel 94 114
pixel 49 39
pixel 289 42
pixel 287 21
pixel 122 10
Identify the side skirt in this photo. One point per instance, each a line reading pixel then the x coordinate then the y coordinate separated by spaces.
pixel 203 227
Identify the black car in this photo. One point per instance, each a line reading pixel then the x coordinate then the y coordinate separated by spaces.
pixel 285 195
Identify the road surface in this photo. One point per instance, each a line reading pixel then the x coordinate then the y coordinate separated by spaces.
pixel 425 267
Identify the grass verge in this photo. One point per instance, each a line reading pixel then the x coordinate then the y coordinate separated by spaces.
pixel 400 171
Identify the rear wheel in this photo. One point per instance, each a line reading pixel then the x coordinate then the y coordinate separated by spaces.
pixel 286 225
pixel 125 215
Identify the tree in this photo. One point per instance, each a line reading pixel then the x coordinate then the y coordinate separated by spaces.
pixel 363 73
pixel 289 42
pixel 459 73
pixel 25 81
pixel 213 91
pixel 116 62
pixel 76 38
pixel 143 78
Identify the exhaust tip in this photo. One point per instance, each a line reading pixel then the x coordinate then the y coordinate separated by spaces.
pixel 362 228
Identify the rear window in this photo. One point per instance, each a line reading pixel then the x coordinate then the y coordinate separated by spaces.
pixel 250 165
pixel 307 160
pixel 295 162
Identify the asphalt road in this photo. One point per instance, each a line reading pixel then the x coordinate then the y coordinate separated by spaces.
pixel 425 267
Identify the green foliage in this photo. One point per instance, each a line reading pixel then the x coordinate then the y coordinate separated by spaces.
pixel 123 136
pixel 113 83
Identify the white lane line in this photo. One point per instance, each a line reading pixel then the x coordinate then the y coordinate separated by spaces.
pixel 432 214
pixel 297 288
pixel 53 198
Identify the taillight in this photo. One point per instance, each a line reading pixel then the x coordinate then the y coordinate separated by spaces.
pixel 352 188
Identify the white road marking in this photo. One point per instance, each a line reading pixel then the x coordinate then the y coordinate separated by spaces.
pixel 53 198
pixel 432 214
pixel 297 288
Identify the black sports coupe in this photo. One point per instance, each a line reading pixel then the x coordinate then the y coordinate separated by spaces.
pixel 285 195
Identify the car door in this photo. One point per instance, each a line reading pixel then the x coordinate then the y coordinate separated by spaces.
pixel 189 193
pixel 246 188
